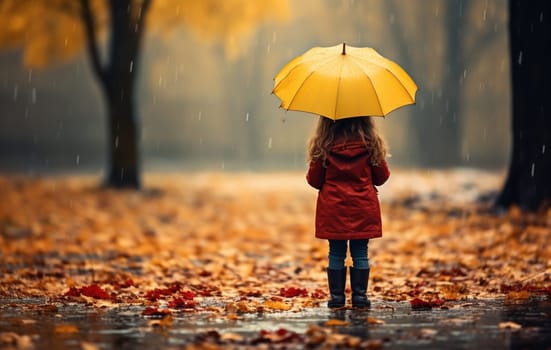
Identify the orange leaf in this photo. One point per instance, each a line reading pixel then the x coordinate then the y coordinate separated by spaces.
pixel 336 323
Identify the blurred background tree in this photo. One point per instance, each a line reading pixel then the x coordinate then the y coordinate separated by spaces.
pixel 442 101
pixel 50 30
pixel 528 182
pixel 204 98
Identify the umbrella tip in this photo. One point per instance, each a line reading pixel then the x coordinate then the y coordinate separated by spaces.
pixel 344 48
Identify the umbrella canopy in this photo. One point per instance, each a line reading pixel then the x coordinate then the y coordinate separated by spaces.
pixel 342 82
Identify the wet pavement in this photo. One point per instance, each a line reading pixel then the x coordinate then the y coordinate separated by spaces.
pixel 472 324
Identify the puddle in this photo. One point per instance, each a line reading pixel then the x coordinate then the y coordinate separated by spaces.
pixel 463 325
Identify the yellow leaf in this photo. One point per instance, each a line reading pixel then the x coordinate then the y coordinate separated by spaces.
pixel 66 328
pixel 276 305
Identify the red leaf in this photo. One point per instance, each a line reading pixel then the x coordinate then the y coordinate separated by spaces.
pixel 92 291
pixel 181 303
pixel 73 292
pixel 157 293
pixel 126 284
pixel 292 292
pixel 281 335
pixel 417 303
pixel 95 291
pixel 153 311
pixel 188 295
pixel 318 294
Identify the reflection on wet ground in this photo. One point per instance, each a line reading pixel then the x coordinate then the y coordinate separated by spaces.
pixel 472 324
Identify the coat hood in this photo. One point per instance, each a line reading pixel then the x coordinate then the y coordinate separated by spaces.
pixel 348 149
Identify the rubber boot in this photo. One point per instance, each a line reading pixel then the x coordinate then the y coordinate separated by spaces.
pixel 337 281
pixel 358 283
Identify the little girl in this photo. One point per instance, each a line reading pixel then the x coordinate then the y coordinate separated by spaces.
pixel 347 161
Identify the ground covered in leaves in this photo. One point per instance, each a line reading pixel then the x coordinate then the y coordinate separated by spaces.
pixel 232 244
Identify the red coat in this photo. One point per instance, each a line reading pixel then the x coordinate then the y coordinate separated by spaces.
pixel 347 205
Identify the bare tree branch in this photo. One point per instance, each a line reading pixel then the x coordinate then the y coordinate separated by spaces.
pixel 91 40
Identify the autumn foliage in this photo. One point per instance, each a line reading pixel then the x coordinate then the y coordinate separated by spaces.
pixel 243 243
pixel 52 30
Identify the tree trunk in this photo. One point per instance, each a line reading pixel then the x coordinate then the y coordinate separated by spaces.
pixel 528 183
pixel 124 170
pixel 117 81
pixel 120 81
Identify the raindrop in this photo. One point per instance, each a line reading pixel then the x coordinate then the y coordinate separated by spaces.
pixel 392 18
pixel 116 142
pixel 533 170
pixel 160 80
pixel 484 14
pixel 481 86
pixel 519 58
pixel 66 41
pixel 200 115
pixel 247 117
pixel 59 129
pixel 78 159
pixel 485 133
pixel 33 96
pixel 223 165
pixel 131 65
pixel 15 92
pixel 274 37
pixel 543 149
pixel 270 143
pixel 502 66
pixel 541 17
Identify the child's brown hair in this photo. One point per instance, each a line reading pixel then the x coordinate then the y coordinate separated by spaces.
pixel 363 128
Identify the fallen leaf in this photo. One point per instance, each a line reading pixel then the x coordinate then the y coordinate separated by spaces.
pixel 336 323
pixel 420 304
pixel 276 305
pixel 509 325
pixel 66 328
pixel 292 292
pixel 163 322
pixel 11 340
pixel 88 346
pixel 231 337
pixel 373 320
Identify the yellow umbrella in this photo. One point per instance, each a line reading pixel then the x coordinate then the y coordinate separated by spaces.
pixel 343 81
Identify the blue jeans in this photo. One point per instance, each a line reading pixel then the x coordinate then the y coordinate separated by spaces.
pixel 358 251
